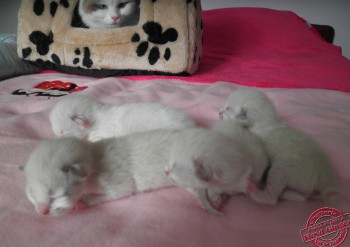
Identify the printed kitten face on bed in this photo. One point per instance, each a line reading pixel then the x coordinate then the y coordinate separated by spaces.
pixel 109 13
pixel 55 175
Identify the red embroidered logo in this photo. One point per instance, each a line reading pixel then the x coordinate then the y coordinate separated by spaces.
pixel 326 227
pixel 51 89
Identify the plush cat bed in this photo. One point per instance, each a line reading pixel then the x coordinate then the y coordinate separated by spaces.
pixel 166 40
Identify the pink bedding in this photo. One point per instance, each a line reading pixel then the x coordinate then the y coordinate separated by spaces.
pixel 273 58
pixel 169 217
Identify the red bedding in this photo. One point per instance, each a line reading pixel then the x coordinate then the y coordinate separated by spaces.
pixel 268 48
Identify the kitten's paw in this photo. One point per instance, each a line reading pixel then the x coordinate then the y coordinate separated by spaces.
pixel 251 188
pixel 291 195
pixel 258 195
pixel 207 203
pixel 87 201
pixel 93 138
pixel 216 199
pixel 264 197
pixel 79 206
pixel 93 199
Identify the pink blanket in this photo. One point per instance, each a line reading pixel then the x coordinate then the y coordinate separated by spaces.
pixel 169 217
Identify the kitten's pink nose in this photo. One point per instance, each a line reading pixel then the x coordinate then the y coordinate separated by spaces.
pixel 43 209
pixel 115 18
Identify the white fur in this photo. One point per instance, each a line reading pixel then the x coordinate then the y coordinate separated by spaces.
pixel 299 167
pixel 67 173
pixel 84 117
pixel 221 164
pixel 53 175
pixel 109 13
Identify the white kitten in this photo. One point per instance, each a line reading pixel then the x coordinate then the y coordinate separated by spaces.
pixel 109 13
pixel 208 161
pixel 84 117
pixel 66 174
pixel 299 168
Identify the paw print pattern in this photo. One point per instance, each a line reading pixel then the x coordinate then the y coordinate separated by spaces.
pixel 64 3
pixel 194 2
pixel 53 8
pixel 42 41
pixel 39 6
pixel 26 52
pixel 86 61
pixel 155 36
pixel 56 59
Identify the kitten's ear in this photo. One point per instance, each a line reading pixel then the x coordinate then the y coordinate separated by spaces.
pixel 242 118
pixel 168 168
pixel 221 113
pixel 81 121
pixel 202 172
pixel 241 113
pixel 75 170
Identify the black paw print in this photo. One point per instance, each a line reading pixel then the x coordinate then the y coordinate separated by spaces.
pixel 64 3
pixel 56 59
pixel 194 2
pixel 53 8
pixel 39 6
pixel 156 36
pixel 87 62
pixel 26 52
pixel 42 41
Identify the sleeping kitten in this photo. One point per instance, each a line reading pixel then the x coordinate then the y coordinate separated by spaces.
pixel 109 13
pixel 68 174
pixel 212 164
pixel 84 117
pixel 299 168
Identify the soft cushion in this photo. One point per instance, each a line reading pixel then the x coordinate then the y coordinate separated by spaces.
pixel 166 40
pixel 10 64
